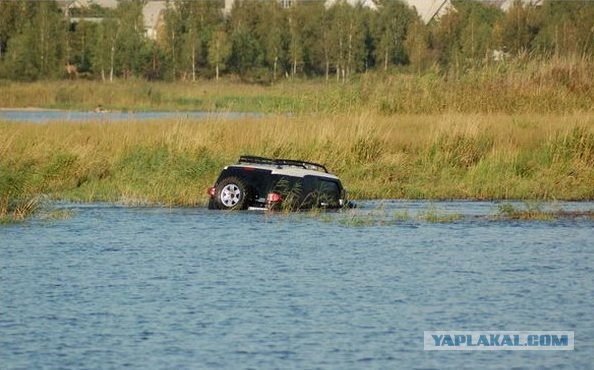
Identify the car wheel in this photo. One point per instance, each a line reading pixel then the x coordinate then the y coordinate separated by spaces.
pixel 232 193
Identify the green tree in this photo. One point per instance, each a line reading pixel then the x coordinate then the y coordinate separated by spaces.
pixel 81 37
pixel 445 38
pixel 476 34
pixel 37 51
pixel 129 43
pixel 247 47
pixel 567 28
pixel 104 50
pixel 464 35
pixel 219 50
pixel 11 16
pixel 417 45
pixel 190 25
pixel 348 38
pixel 274 35
pixel 173 37
pixel 521 25
pixel 295 40
pixel 322 47
pixel 390 30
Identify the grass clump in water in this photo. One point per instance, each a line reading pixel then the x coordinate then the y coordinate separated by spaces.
pixel 57 214
pixel 16 210
pixel 531 211
pixel 534 211
pixel 17 202
pixel 432 215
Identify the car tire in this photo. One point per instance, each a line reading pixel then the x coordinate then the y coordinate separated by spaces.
pixel 232 194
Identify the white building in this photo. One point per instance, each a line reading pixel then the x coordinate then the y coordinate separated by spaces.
pixel 111 4
pixel 152 14
pixel 430 9
pixel 367 3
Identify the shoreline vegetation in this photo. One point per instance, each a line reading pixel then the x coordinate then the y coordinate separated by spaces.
pixel 554 86
pixel 171 162
pixel 508 131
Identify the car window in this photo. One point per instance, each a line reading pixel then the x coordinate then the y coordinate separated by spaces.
pixel 307 192
pixel 321 192
pixel 289 187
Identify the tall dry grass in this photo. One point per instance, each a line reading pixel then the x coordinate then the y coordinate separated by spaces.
pixel 476 156
pixel 522 85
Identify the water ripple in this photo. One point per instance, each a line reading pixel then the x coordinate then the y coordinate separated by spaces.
pixel 118 287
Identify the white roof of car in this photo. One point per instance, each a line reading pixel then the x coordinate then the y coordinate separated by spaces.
pixel 288 170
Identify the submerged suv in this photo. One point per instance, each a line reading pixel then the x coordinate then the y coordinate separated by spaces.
pixel 275 184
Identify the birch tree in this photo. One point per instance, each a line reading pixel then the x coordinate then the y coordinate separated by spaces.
pixel 219 50
pixel 273 32
pixel 295 41
pixel 173 37
pixel 37 50
pixel 11 14
pixel 129 40
pixel 200 20
pixel 105 46
pixel 348 38
pixel 417 45
pixel 247 45
pixel 390 30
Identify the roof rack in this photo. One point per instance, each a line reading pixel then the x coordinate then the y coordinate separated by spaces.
pixel 282 162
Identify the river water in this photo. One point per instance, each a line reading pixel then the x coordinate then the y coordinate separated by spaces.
pixel 113 287
pixel 48 116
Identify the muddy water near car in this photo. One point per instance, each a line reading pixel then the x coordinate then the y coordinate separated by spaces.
pixel 115 287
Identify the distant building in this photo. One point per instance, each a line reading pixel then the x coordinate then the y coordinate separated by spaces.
pixel 153 15
pixel 152 12
pixel 110 4
pixel 506 4
pixel 427 9
pixel 283 3
pixel 69 5
pixel 430 9
pixel 366 3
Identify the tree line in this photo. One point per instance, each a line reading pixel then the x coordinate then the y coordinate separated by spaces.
pixel 263 41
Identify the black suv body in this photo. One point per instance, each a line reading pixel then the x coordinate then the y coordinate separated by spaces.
pixel 265 183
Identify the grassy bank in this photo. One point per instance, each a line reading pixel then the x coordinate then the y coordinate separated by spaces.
pixel 470 156
pixel 520 86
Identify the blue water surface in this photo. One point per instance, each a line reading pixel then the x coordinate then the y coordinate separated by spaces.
pixel 156 288
pixel 47 116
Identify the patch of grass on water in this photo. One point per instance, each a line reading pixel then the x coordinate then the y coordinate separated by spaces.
pixel 57 214
pixel 401 215
pixel 432 215
pixel 358 220
pixel 533 211
pixel 380 217
pixel 17 199
pixel 17 210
